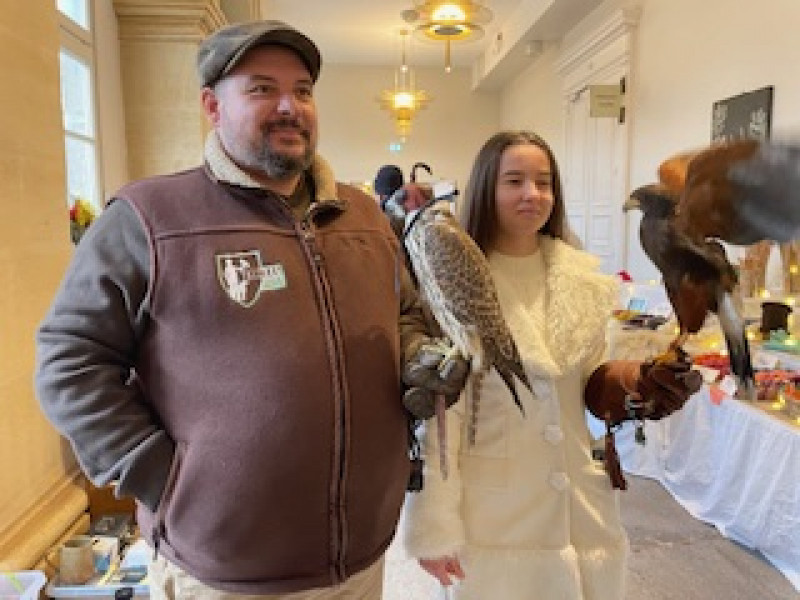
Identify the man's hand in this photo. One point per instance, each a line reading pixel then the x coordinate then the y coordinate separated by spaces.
pixel 436 368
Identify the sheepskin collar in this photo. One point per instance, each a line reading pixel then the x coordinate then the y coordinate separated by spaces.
pixel 224 169
pixel 578 303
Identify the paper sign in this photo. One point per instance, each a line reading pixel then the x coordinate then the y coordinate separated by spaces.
pixel 604 101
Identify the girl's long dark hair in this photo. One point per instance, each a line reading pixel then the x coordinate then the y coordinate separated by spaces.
pixel 478 206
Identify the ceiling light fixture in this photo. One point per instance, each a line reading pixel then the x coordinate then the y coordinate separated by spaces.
pixel 460 20
pixel 404 101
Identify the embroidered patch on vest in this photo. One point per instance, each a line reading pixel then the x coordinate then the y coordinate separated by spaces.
pixel 244 276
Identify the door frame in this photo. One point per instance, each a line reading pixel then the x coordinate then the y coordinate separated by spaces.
pixel 601 55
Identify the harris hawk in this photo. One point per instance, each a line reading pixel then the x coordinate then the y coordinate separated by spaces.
pixel 740 192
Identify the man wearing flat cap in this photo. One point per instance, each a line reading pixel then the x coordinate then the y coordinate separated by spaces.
pixel 227 343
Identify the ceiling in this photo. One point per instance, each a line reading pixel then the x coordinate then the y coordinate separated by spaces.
pixel 368 31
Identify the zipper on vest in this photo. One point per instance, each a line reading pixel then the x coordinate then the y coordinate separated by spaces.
pixel 334 341
pixel 310 241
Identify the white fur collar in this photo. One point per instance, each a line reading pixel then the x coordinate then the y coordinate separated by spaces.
pixel 224 169
pixel 579 300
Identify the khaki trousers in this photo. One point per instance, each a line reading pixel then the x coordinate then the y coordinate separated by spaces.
pixel 169 582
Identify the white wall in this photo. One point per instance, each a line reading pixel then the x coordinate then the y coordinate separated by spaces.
pixel 692 54
pixel 355 132
pixel 533 101
pixel 688 55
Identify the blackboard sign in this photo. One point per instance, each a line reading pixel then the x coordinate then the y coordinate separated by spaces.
pixel 747 115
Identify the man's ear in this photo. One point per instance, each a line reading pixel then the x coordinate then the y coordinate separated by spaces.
pixel 210 102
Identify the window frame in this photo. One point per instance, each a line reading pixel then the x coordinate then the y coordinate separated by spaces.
pixel 78 42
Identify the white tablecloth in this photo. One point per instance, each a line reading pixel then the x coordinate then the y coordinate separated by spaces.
pixel 729 464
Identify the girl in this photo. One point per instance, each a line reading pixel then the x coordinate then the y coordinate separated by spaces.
pixel 526 512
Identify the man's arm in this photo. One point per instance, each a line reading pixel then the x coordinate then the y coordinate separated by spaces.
pixel 85 348
pixel 415 329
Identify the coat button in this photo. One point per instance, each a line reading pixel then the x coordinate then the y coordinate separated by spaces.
pixel 559 480
pixel 541 389
pixel 553 434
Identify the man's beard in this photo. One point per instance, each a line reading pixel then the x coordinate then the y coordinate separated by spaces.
pixel 276 165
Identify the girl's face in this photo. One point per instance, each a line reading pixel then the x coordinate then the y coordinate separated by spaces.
pixel 524 199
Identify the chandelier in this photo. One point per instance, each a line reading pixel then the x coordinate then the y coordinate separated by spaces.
pixel 457 21
pixel 404 101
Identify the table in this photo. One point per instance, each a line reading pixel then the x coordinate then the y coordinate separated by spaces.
pixel 730 464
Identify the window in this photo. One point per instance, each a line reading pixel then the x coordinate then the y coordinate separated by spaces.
pixel 76 10
pixel 76 58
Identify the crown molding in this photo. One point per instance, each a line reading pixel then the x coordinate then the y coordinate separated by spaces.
pixel 619 25
pixel 168 20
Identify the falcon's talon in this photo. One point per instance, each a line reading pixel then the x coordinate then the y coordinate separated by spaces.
pixel 448 354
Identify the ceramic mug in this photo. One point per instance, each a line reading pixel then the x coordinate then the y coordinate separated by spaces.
pixel 76 560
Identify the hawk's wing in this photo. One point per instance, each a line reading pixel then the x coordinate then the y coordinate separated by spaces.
pixel 769 190
pixel 741 191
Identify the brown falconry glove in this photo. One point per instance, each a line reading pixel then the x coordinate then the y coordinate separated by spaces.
pixel 620 390
pixel 653 390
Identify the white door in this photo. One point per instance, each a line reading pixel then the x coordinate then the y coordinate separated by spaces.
pixel 595 165
pixel 595 181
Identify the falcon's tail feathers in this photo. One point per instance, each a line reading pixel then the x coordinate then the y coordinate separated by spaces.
pixel 507 369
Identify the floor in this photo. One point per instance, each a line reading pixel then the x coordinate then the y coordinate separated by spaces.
pixel 673 557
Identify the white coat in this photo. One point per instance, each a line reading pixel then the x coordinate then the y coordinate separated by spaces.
pixel 526 509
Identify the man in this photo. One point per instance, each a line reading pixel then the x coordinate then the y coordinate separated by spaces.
pixel 225 347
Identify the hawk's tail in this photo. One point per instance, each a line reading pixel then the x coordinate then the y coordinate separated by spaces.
pixel 738 348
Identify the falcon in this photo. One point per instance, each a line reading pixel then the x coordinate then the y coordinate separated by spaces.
pixel 456 285
pixel 740 192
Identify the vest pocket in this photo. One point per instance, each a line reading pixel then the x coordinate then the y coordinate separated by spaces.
pixel 159 526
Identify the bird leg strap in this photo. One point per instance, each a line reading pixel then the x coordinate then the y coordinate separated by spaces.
pixel 436 373
pixel 634 409
pixel 611 458
pixel 441 433
pixel 626 390
pixel 448 368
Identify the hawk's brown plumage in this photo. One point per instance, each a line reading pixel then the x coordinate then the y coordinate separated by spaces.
pixel 741 192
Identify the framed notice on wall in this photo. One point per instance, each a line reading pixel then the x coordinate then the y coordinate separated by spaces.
pixel 747 115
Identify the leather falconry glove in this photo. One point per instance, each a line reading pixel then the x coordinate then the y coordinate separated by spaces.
pixel 620 390
pixel 435 368
pixel 624 389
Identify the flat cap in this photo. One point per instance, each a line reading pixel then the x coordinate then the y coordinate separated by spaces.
pixel 222 50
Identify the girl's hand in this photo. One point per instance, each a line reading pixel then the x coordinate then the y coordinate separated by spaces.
pixel 444 569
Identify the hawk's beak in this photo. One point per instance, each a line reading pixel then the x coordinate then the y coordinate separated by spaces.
pixel 631 203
